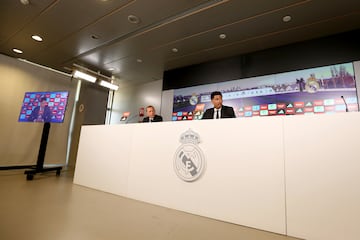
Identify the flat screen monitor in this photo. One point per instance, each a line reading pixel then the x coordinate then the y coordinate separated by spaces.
pixel 44 107
pixel 322 90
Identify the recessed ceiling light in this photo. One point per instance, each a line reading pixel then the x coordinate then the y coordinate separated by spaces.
pixel 37 38
pixel 222 36
pixel 17 50
pixel 25 2
pixel 111 69
pixel 139 60
pixel 133 19
pixel 286 18
pixel 175 50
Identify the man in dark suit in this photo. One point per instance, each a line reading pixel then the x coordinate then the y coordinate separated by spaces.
pixel 41 113
pixel 151 116
pixel 219 110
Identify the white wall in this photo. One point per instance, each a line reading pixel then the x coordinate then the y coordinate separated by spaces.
pixel 167 102
pixel 19 142
pixel 130 99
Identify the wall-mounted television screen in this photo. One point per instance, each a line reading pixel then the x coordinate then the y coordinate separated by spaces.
pixel 44 107
pixel 322 90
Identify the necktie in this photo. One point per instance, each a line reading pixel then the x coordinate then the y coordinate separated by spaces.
pixel 217 114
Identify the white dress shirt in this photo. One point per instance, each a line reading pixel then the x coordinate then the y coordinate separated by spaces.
pixel 215 111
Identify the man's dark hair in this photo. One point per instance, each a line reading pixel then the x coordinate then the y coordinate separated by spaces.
pixel 213 94
pixel 43 99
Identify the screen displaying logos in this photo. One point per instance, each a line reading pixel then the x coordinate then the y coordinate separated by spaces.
pixel 44 107
pixel 323 90
pixel 300 108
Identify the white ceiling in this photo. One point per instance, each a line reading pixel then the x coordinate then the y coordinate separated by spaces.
pixel 96 34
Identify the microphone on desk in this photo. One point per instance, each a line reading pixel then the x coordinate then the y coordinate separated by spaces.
pixel 346 106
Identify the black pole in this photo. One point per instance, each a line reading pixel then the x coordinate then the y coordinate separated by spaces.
pixel 41 156
pixel 42 148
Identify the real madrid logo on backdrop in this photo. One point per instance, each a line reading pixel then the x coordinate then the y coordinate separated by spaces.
pixel 312 85
pixel 194 99
pixel 189 160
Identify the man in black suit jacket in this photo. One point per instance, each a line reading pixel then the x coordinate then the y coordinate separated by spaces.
pixel 151 116
pixel 219 110
pixel 41 113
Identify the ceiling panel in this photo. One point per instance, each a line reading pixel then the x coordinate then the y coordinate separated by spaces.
pixel 14 16
pixel 265 26
pixel 266 41
pixel 97 34
pixel 110 30
pixel 175 30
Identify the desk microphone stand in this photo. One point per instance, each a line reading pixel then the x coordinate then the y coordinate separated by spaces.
pixel 39 168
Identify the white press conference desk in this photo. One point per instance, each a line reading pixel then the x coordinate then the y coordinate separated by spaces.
pixel 293 175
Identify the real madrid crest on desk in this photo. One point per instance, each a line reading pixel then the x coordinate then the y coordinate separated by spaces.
pixel 189 160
